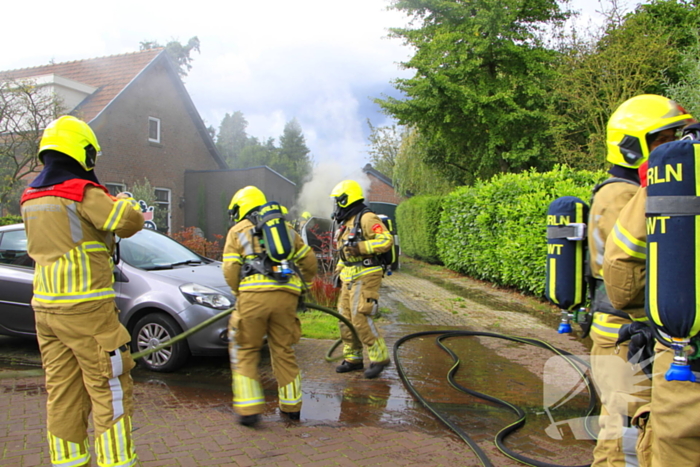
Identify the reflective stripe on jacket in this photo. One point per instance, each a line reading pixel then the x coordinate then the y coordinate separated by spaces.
pixel 72 244
pixel 625 258
pixel 376 239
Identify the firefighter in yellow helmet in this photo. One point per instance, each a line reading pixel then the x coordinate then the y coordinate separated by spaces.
pixel 671 434
pixel 266 305
pixel 635 128
pixel 71 220
pixel 360 236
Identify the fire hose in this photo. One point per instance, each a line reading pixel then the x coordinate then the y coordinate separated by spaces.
pixel 504 432
pixel 223 314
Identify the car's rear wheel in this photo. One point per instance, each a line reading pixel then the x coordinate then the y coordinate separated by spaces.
pixel 151 331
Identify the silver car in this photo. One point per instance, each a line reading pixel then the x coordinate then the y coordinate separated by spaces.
pixel 162 289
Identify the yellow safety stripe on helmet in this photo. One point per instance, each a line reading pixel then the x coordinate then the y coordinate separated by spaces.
pixel 602 327
pixel 232 258
pixel 246 391
pixel 115 215
pixel 291 393
pixel 378 352
pixel 260 282
pixel 630 245
pixel 301 252
pixel 67 454
pixel 69 278
pixel 114 447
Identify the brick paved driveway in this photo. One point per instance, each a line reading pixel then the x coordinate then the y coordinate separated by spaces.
pixel 346 420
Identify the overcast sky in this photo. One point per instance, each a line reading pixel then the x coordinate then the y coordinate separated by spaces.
pixel 319 61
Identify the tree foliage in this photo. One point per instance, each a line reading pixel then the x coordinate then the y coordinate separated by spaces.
pixel 232 138
pixel 594 77
pixel 180 53
pixel 294 153
pixel 481 82
pixel 25 110
pixel 412 174
pixel 290 159
pixel 384 146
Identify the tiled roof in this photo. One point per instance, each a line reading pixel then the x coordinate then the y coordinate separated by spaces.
pixel 110 75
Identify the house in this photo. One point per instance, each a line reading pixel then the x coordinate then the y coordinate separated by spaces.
pixel 147 125
pixel 381 196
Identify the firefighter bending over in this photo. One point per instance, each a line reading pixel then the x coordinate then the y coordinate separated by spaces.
pixel 359 237
pixel 70 221
pixel 267 295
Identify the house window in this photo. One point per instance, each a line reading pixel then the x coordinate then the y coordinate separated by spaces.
pixel 163 209
pixel 154 130
pixel 115 188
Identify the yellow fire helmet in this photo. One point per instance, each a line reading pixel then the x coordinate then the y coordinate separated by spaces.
pixel 72 137
pixel 306 215
pixel 346 193
pixel 245 200
pixel 634 121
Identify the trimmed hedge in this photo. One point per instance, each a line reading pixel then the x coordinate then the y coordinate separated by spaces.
pixel 417 220
pixel 496 230
pixel 11 219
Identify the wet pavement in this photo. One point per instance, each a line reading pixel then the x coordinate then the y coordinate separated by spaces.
pixel 185 418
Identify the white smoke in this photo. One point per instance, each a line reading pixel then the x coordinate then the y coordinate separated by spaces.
pixel 315 194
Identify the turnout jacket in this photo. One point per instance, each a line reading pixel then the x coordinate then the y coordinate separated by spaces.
pixel 607 203
pixel 70 235
pixel 625 258
pixel 242 246
pixel 375 239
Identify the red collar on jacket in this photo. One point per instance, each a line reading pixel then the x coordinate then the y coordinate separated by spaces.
pixel 70 189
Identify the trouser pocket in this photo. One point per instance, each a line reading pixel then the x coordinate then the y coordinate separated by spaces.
pixel 113 352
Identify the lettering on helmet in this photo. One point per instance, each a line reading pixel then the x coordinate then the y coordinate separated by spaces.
pixel 377 228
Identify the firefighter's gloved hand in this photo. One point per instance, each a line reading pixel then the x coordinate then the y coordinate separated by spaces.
pixel 641 346
pixel 352 249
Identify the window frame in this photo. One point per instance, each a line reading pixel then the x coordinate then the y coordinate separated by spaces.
pixel 158 130
pixel 168 204
pixel 120 186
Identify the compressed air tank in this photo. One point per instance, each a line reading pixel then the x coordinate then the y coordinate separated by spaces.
pixel 566 252
pixel 673 238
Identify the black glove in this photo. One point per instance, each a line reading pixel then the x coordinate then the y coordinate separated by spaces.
pixel 641 346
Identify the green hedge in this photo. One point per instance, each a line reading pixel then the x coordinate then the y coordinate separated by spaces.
pixel 417 220
pixel 495 230
pixel 11 219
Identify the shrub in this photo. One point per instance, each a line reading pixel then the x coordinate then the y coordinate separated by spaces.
pixel 322 292
pixel 496 230
pixel 11 219
pixel 417 220
pixel 193 239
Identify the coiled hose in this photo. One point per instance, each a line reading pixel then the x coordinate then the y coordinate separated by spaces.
pixel 504 432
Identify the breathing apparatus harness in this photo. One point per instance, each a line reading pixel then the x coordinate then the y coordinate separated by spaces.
pixel 273 236
pixel 354 237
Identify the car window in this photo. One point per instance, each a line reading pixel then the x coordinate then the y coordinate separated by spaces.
pixel 13 248
pixel 150 250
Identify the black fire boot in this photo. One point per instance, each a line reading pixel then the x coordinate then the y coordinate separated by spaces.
pixel 375 368
pixel 291 415
pixel 249 420
pixel 349 366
